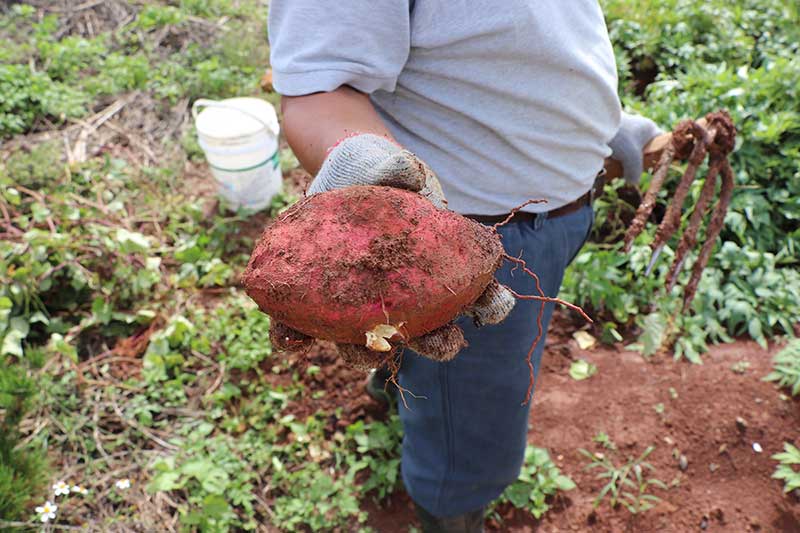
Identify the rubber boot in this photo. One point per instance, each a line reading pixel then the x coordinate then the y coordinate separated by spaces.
pixel 377 387
pixel 471 522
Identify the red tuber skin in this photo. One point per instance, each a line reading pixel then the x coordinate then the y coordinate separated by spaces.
pixel 339 263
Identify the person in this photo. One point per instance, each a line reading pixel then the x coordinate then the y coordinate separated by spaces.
pixel 502 102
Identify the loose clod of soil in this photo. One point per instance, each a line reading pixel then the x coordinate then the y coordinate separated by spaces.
pixel 712 418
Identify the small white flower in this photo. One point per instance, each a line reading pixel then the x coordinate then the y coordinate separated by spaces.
pixel 80 489
pixel 47 511
pixel 123 483
pixel 757 447
pixel 61 488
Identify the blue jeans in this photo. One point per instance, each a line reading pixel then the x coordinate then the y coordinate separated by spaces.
pixel 464 442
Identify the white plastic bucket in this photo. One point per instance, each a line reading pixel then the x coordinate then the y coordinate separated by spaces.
pixel 239 137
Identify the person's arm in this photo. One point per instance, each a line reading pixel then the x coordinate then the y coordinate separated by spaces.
pixel 628 157
pixel 315 122
pixel 651 153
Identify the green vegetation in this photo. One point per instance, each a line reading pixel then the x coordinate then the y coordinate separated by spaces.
pixel 676 59
pixel 788 468
pixel 538 482
pixel 140 367
pixel 628 481
pixel 167 52
pixel 786 367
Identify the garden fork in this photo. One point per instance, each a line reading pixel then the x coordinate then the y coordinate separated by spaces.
pixel 714 136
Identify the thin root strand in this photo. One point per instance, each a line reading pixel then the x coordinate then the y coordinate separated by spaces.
pixel 394 361
pixel 518 262
pixel 517 209
pixel 542 297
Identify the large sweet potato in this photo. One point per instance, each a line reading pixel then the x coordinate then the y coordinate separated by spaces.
pixel 341 263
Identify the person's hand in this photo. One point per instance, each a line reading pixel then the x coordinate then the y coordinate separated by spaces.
pixel 368 159
pixel 628 144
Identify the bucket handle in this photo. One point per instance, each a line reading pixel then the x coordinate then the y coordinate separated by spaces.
pixel 204 102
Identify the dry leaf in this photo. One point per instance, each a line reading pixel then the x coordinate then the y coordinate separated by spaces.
pixel 584 339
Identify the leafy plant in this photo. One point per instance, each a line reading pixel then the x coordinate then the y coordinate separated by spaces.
pixel 604 440
pixel 786 367
pixel 377 447
pixel 539 480
pixel 628 482
pixel 318 500
pixel 28 96
pixel 788 468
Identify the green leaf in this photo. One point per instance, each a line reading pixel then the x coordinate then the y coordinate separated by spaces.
pixel 582 369
pixel 132 241
pixel 153 367
pixel 12 343
pixel 196 468
pixel 21 325
pixel 518 494
pixel 179 330
pixel 59 345
pixel 39 317
pixel 12 196
pixel 564 482
pixel 164 481
pixel 653 333
pixel 215 506
pixel 101 309
pixel 215 481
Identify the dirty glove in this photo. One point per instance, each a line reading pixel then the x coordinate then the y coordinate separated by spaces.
pixel 368 159
pixel 628 144
pixel 493 306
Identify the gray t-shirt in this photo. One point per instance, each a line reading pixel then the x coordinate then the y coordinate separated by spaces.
pixel 505 100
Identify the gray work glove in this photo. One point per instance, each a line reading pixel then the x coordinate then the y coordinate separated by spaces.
pixel 628 144
pixel 368 159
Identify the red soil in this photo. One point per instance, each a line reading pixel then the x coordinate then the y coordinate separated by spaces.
pixel 727 485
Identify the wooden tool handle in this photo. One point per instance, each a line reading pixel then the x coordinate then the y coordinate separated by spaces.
pixel 651 153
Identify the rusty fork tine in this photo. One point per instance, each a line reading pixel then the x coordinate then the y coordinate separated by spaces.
pixel 713 231
pixel 672 218
pixel 689 237
pixel 713 136
pixel 649 200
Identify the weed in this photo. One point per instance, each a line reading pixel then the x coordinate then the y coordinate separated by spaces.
pixel 786 367
pixel 628 482
pixel 377 448
pixel 787 470
pixel 604 440
pixel 539 480
pixel 22 467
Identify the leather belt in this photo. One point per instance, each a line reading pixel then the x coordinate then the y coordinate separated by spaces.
pixel 520 216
